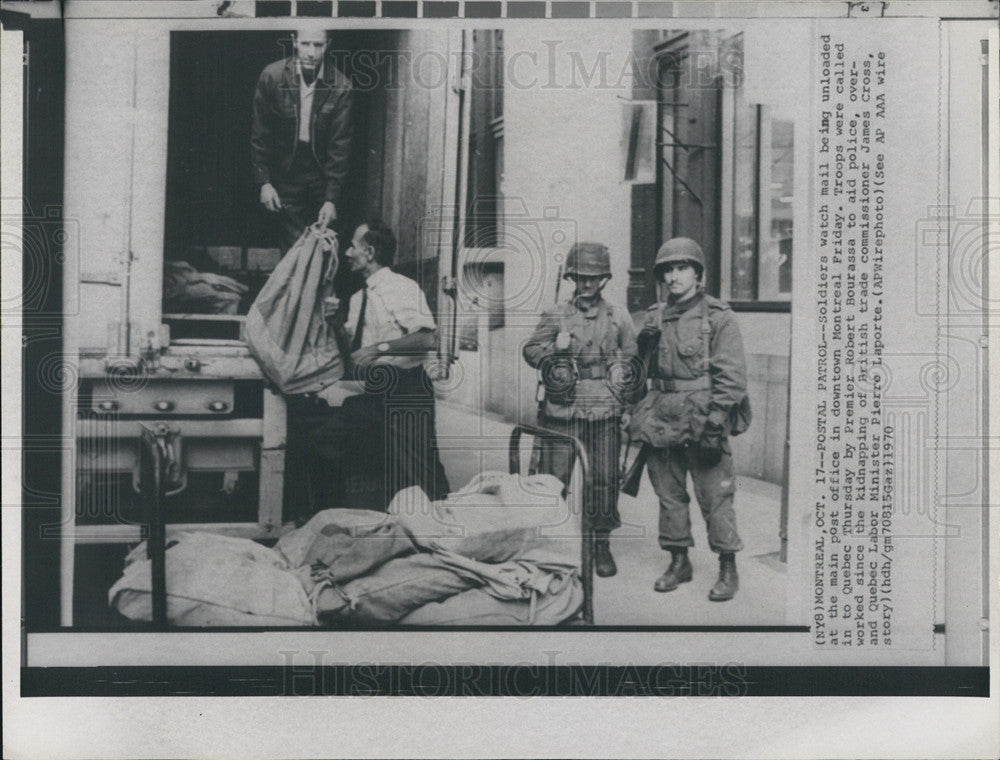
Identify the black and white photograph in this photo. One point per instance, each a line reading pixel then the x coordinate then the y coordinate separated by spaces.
pixel 550 349
pixel 280 402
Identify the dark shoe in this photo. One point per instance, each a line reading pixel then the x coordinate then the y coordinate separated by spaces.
pixel 729 581
pixel 679 572
pixel 604 563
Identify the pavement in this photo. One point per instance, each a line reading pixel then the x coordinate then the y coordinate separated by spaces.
pixel 472 442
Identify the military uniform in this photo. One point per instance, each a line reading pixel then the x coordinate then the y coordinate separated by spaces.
pixel 697 399
pixel 685 396
pixel 601 336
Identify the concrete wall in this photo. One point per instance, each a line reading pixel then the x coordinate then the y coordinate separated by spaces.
pixel 759 452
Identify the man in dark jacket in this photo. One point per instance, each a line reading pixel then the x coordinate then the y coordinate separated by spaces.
pixel 697 400
pixel 301 137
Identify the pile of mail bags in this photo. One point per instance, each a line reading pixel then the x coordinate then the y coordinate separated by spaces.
pixel 505 550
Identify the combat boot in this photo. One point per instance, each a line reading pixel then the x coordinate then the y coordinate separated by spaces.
pixel 679 572
pixel 604 563
pixel 729 581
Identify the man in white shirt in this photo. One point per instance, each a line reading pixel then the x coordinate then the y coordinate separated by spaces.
pixel 389 321
pixel 389 431
pixel 301 138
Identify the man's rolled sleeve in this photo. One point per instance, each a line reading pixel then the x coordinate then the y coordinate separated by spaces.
pixel 409 307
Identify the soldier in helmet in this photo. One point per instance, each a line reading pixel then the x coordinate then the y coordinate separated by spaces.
pixel 583 349
pixel 696 401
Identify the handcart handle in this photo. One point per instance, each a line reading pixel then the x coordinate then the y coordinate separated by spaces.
pixel 579 455
pixel 152 477
pixel 514 457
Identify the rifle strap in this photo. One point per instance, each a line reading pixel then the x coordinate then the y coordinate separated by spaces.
pixel 706 338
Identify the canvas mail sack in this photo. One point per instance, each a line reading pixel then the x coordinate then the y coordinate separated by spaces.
pixel 285 330
pixel 495 518
pixel 215 580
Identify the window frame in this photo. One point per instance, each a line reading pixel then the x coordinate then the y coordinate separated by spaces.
pixel 764 118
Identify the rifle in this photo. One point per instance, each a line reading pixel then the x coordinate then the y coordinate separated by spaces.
pixel 631 475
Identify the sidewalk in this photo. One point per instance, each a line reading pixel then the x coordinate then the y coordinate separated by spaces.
pixel 471 443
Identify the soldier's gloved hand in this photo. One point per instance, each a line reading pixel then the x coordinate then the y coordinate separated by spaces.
pixel 563 341
pixel 648 338
pixel 710 446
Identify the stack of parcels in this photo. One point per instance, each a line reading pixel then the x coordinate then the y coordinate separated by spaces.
pixel 505 550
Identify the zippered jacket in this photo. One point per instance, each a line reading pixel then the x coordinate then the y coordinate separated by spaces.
pixel 275 129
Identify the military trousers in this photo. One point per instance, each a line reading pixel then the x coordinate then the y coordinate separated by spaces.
pixel 601 439
pixel 714 488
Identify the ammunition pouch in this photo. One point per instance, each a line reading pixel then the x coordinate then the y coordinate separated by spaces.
pixel 559 376
pixel 626 379
pixel 592 372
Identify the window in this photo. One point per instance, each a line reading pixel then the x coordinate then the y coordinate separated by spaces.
pixel 757 188
pixel 725 172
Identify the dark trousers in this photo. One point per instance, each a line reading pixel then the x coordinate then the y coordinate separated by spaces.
pixel 301 191
pixel 714 488
pixel 361 454
pixel 602 440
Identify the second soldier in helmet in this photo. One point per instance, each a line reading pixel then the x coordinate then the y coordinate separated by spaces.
pixel 583 349
pixel 696 401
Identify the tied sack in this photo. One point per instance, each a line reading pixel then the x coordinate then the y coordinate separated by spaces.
pixel 215 580
pixel 285 329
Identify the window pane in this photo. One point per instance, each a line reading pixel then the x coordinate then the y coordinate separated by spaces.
pixel 782 187
pixel 745 174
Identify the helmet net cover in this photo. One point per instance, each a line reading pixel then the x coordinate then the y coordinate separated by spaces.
pixel 588 259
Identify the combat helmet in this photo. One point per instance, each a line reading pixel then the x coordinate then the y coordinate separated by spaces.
pixel 590 259
pixel 679 249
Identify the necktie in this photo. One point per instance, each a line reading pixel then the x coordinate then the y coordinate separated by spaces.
pixel 356 342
